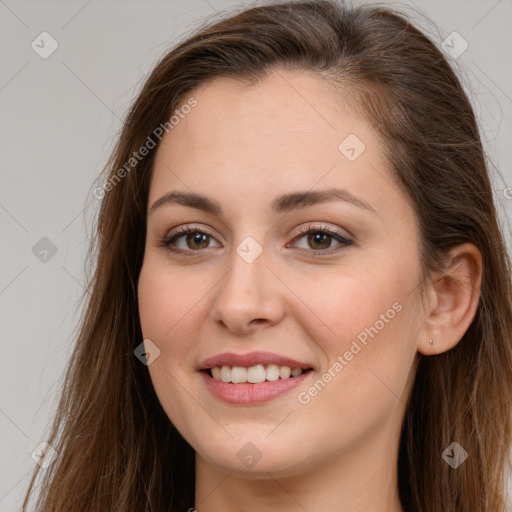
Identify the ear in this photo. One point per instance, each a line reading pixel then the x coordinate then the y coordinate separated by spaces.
pixel 453 302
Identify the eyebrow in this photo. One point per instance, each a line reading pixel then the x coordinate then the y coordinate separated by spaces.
pixel 281 204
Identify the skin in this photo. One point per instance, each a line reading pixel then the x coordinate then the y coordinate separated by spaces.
pixel 242 145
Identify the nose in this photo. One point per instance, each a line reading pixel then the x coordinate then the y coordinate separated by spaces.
pixel 248 296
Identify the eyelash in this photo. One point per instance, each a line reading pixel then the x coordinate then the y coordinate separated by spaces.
pixel 305 230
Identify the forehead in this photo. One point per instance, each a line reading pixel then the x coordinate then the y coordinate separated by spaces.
pixel 289 131
pixel 282 103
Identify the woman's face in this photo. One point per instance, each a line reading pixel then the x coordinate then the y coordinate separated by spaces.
pixel 342 300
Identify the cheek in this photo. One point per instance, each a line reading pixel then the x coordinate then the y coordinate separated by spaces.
pixel 166 300
pixel 370 356
pixel 360 307
pixel 153 303
pixel 371 340
pixel 167 317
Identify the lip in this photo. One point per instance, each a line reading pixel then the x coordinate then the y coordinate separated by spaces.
pixel 252 359
pixel 248 394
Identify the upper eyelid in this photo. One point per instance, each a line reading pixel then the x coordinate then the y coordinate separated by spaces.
pixel 314 225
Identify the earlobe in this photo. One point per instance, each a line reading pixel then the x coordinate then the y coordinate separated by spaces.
pixel 457 293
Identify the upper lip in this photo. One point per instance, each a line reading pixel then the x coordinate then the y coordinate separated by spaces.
pixel 251 359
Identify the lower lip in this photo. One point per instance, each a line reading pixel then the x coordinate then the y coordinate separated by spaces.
pixel 247 393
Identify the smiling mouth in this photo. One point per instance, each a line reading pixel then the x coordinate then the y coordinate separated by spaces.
pixel 254 374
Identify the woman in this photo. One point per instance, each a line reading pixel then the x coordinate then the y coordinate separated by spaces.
pixel 302 296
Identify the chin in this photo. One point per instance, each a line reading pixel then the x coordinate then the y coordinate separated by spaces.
pixel 254 458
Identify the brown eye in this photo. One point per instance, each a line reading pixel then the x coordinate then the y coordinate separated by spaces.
pixel 198 238
pixel 194 240
pixel 319 240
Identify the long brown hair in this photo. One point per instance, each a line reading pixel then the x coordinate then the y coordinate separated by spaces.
pixel 117 448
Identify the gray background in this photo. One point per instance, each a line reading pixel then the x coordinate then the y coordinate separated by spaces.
pixel 59 119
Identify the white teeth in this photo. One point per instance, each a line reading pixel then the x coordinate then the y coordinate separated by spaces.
pixel 254 374
pixel 296 372
pixel 273 372
pixel 225 374
pixel 238 374
pixel 284 372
